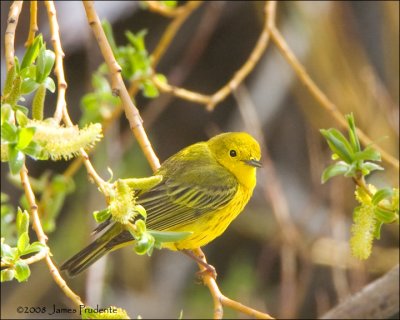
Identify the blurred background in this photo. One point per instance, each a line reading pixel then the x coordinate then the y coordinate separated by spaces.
pixel 287 253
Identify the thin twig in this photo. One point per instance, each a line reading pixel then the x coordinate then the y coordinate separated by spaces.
pixel 212 100
pixel 42 237
pixel 118 86
pixel 220 300
pixel 59 69
pixel 33 259
pixel 172 29
pixel 12 21
pixel 248 66
pixel 165 11
pixel 33 27
pixel 322 99
pixel 133 88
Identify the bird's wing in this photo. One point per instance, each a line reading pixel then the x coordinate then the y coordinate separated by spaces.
pixel 176 202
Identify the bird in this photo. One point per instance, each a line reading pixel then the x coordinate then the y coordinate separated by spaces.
pixel 203 189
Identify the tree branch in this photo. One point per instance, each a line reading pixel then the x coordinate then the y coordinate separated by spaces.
pixel 378 300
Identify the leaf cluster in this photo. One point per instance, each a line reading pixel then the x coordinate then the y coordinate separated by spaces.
pixel 12 257
pixel 377 207
pixel 123 209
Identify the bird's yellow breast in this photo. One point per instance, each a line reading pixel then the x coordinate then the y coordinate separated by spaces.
pixel 213 224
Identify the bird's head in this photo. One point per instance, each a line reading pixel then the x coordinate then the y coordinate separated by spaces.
pixel 239 153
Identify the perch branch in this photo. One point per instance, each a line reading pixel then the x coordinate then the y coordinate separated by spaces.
pixel 219 299
pixel 118 86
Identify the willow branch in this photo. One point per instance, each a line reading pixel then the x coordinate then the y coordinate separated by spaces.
pixel 12 21
pixel 59 69
pixel 33 259
pixel 322 99
pixel 212 100
pixel 378 300
pixel 172 29
pixel 118 86
pixel 33 27
pixel 220 300
pixel 42 237
pixel 157 54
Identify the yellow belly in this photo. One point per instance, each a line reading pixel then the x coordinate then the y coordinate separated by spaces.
pixel 211 225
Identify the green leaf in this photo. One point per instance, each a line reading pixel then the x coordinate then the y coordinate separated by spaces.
pixel 22 119
pixel 338 144
pixel 109 35
pixel 8 132
pixel 367 167
pixel 7 275
pixel 25 136
pixel 335 169
pixel 49 84
pixel 44 64
pixel 49 58
pixel 102 215
pixel 141 227
pixel 149 89
pixel 384 215
pixel 377 231
pixel 355 143
pixel 381 194
pixel 22 222
pixel 6 114
pixel 22 271
pixel 137 40
pixel 169 236
pixel 23 109
pixel 368 153
pixel 141 211
pixel 23 242
pixel 100 83
pixel 32 52
pixel 144 244
pixel 28 85
pixel 162 78
pixel 16 159
pixel 169 3
pixel 7 251
pixel 33 248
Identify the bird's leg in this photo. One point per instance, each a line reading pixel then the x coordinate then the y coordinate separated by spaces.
pixel 208 267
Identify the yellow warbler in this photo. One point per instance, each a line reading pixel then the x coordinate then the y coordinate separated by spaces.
pixel 204 187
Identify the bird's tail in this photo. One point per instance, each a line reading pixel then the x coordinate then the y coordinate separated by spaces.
pixel 111 239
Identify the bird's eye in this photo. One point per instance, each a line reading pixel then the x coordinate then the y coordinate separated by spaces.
pixel 232 153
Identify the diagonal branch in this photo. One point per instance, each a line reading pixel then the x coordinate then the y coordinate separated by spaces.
pixel 9 38
pixel 378 300
pixel 119 88
pixel 322 99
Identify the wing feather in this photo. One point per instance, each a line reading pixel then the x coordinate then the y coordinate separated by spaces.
pixel 170 204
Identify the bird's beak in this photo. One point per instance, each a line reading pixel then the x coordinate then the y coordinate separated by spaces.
pixel 253 163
